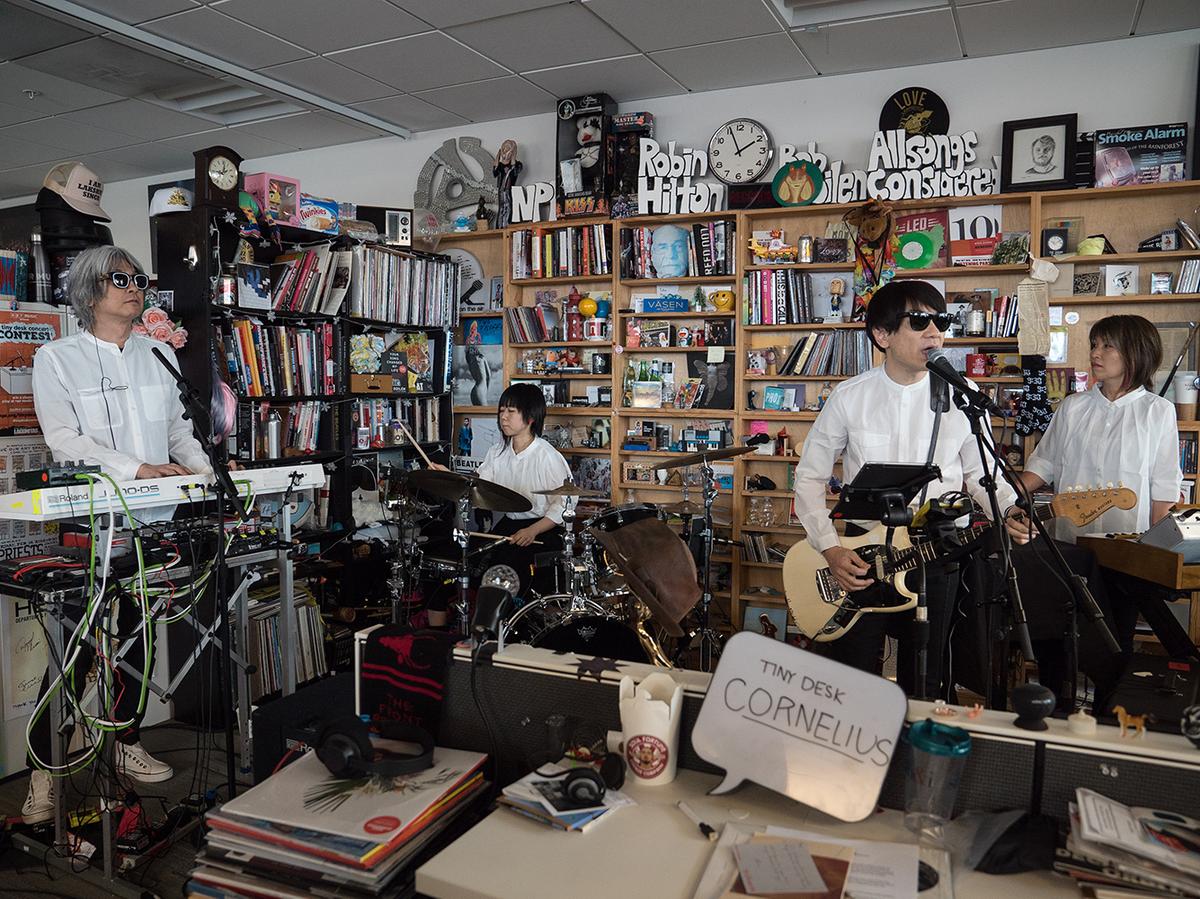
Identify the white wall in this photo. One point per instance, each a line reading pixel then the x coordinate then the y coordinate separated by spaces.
pixel 1143 80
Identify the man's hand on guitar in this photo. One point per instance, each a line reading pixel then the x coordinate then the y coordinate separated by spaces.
pixel 848 568
pixel 1018 525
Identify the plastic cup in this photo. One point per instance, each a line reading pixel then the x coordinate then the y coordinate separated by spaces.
pixel 939 755
pixel 1185 395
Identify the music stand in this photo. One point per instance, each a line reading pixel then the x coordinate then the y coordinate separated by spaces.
pixel 882 492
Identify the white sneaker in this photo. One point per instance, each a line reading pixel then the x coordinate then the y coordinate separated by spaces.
pixel 135 762
pixel 39 804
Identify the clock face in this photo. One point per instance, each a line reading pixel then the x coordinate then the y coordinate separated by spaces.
pixel 739 151
pixel 222 173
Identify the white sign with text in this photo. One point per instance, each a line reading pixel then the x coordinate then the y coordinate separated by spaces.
pixel 818 731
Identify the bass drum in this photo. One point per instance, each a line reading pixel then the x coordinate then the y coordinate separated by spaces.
pixel 593 635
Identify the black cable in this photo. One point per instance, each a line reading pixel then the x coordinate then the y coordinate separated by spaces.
pixel 493 743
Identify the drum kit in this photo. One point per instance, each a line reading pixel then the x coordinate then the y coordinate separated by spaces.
pixel 625 585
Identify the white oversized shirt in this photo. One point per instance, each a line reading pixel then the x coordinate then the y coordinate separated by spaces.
pixel 871 418
pixel 72 378
pixel 537 467
pixel 1092 442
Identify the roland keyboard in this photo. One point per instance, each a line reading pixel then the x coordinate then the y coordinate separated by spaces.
pixel 53 503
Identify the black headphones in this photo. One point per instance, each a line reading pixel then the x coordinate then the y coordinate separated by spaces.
pixel 586 786
pixel 346 750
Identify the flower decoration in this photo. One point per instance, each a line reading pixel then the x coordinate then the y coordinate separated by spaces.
pixel 156 324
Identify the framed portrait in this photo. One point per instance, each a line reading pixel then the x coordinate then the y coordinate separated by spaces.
pixel 1039 154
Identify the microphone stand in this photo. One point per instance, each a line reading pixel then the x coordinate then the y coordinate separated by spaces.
pixel 223 487
pixel 939 402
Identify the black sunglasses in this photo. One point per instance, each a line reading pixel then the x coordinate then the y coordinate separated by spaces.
pixel 121 280
pixel 919 321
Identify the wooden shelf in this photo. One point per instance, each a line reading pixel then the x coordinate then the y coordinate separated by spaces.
pixel 775 415
pixel 631 314
pixel 798 377
pixel 970 341
pixel 559 376
pixel 453 236
pixel 559 279
pixel 1017 269
pixel 630 412
pixel 804 266
pixel 584 451
pixel 775 494
pixel 546 344
pixel 577 410
pixel 730 214
pixel 493 314
pixel 688 279
pixel 1129 298
pixel 811 326
pixel 1169 255
pixel 649 485
pixel 475 410
pixel 775 565
pixel 671 349
pixel 797 529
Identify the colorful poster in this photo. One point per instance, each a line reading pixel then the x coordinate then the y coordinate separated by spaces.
pixel 21 333
pixel 479 364
pixel 473 437
pixel 1144 154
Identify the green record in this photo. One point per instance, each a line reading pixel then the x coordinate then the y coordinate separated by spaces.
pixel 917 250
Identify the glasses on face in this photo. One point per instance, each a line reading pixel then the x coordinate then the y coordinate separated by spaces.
pixel 919 321
pixel 121 280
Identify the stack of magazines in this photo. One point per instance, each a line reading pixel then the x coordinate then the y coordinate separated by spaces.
pixel 541 797
pixel 1117 851
pixel 305 832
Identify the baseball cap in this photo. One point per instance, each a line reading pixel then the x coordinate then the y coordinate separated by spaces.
pixel 79 187
pixel 170 199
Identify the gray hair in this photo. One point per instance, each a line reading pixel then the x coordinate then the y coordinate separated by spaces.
pixel 88 279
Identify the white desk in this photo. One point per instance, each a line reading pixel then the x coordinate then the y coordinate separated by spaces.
pixel 653 850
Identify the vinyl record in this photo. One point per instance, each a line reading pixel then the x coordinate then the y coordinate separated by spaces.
pixel 917 110
pixel 917 250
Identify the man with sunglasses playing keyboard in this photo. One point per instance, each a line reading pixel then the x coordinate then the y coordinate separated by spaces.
pixel 886 415
pixel 103 398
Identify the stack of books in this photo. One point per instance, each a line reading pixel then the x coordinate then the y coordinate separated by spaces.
pixel 305 832
pixel 540 797
pixel 709 246
pixel 1114 850
pixel 561 252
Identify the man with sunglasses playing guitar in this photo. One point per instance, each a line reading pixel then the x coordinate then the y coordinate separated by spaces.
pixel 886 415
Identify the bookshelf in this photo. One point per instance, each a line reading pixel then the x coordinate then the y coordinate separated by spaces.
pixel 1126 215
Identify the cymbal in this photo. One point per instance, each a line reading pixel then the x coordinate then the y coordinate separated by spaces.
pixel 568 489
pixel 685 507
pixel 709 455
pixel 480 494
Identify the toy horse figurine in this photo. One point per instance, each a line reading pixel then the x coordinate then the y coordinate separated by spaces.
pixel 1136 723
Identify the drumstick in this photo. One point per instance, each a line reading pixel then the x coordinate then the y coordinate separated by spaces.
pixel 495 537
pixel 413 441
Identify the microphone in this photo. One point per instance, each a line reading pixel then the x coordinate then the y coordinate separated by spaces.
pixel 938 363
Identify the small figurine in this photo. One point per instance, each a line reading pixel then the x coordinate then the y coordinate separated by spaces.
pixel 482 216
pixel 781 442
pixel 837 287
pixel 942 710
pixel 699 300
pixel 1134 723
pixel 505 169
pixel 974 711
pixel 774 250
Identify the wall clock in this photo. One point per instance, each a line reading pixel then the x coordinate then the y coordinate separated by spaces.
pixel 739 151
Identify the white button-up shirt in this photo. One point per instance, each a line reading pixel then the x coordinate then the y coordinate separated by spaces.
pixel 537 467
pixel 1092 442
pixel 113 407
pixel 871 418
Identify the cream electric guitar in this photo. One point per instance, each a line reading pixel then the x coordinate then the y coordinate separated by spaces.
pixel 824 610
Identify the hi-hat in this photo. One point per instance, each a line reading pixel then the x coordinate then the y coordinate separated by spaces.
pixel 569 489
pixel 480 494
pixel 705 455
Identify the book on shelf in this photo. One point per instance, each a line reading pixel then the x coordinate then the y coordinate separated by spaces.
pixel 839 353
pixel 779 296
pixel 278 360
pixel 532 324
pixel 703 249
pixel 300 428
pixel 573 252
pixel 404 288
pixel 309 280
pixel 374 418
pixel 974 233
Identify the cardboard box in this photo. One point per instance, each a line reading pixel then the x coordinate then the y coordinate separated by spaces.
pixel 378 383
pixel 277 193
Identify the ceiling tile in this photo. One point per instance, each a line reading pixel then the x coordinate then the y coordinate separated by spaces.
pixel 680 23
pixel 747 60
pixel 159 157
pixel 11 114
pixel 627 78
pixel 881 43
pixel 487 101
pixel 136 12
pixel 311 129
pixel 446 13
pixel 1010 26
pixel 418 63
pixel 54 94
pixel 17 151
pixel 115 67
pixel 145 121
pixel 1168 15
pixel 22 182
pixel 411 113
pixel 542 38
pixel 69 135
pixel 328 79
pixel 308 22
pixel 26 32
pixel 208 30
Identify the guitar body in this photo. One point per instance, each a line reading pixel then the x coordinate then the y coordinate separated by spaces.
pixel 815 598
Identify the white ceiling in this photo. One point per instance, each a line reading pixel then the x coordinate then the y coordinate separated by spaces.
pixel 131 86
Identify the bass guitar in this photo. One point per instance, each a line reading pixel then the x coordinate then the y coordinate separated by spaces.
pixel 824 610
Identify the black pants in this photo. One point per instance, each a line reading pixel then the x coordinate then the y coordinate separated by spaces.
pixel 862 646
pixel 126 686
pixel 525 559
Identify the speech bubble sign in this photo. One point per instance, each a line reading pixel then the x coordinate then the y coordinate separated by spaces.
pixel 818 731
